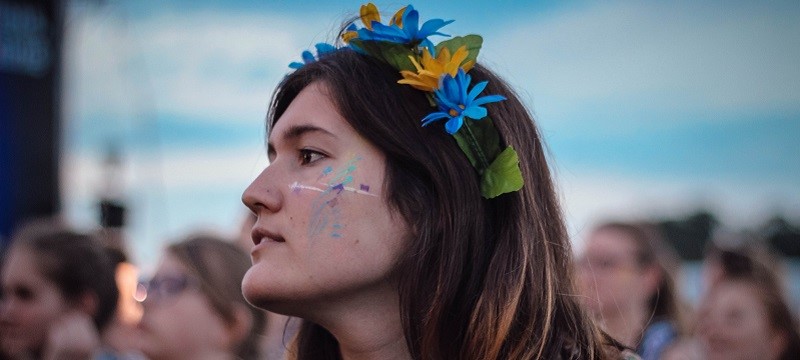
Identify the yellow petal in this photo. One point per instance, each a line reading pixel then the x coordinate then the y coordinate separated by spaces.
pixel 349 35
pixel 414 61
pixel 468 66
pixel 408 74
pixel 369 13
pixel 398 17
pixel 444 56
pixel 429 63
pixel 460 55
pixel 417 84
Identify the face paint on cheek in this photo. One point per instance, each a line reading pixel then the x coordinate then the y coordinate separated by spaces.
pixel 325 210
pixel 325 172
pixel 296 187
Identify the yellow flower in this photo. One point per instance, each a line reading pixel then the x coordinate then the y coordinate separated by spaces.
pixel 428 73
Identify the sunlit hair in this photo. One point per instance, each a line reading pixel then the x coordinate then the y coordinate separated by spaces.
pixel 480 279
pixel 77 263
pixel 220 265
pixel 652 250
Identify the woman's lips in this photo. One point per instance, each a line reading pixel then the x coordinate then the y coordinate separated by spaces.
pixel 261 236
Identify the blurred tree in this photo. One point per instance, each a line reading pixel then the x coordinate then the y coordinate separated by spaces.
pixel 782 236
pixel 690 235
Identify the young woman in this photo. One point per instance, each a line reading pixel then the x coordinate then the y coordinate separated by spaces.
pixel 626 274
pixel 381 234
pixel 194 307
pixel 745 316
pixel 58 294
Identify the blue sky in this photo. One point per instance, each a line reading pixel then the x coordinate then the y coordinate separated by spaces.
pixel 648 109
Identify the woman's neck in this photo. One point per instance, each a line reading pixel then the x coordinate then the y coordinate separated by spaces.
pixel 367 327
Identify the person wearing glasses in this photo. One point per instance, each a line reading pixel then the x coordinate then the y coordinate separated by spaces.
pixel 194 308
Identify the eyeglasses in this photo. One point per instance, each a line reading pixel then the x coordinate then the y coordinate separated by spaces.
pixel 604 264
pixel 161 287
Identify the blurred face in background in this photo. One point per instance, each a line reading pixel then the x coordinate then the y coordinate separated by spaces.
pixel 30 304
pixel 609 275
pixel 179 321
pixel 733 324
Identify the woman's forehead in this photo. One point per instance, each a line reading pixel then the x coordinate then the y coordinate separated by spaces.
pixel 312 108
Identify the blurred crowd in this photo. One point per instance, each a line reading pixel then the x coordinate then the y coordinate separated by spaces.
pixel 68 294
pixel 73 295
pixel 628 275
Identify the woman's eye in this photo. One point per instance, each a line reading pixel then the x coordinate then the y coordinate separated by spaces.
pixel 309 156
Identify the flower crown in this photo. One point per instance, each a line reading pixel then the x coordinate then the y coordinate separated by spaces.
pixel 441 71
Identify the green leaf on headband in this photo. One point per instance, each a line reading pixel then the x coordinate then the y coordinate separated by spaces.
pixel 479 141
pixel 503 175
pixel 473 43
pixel 394 54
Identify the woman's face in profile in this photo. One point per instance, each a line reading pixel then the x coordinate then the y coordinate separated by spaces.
pixel 733 324
pixel 325 232
pixel 30 303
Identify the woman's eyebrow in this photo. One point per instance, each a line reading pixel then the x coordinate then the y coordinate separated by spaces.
pixel 297 131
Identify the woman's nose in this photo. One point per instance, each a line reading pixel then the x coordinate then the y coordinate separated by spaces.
pixel 263 194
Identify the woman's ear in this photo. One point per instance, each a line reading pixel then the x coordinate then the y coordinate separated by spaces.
pixel 240 326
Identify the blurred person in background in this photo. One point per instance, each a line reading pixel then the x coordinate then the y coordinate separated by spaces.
pixel 745 316
pixel 194 307
pixel 58 294
pixel 731 253
pixel 626 274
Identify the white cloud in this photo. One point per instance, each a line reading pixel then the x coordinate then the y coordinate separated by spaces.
pixel 722 58
pixel 212 66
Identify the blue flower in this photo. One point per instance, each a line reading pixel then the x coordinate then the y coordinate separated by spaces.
pixel 405 30
pixel 308 57
pixel 455 102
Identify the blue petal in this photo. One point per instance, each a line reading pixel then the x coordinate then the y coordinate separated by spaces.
pixel 453 88
pixel 474 112
pixel 433 117
pixel 295 65
pixel 381 32
pixel 308 57
pixel 411 22
pixel 446 104
pixel 454 124
pixel 487 99
pixel 431 27
pixel 463 83
pixel 324 48
pixel 476 90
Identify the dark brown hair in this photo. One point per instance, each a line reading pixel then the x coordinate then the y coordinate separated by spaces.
pixel 480 279
pixel 220 266
pixel 76 263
